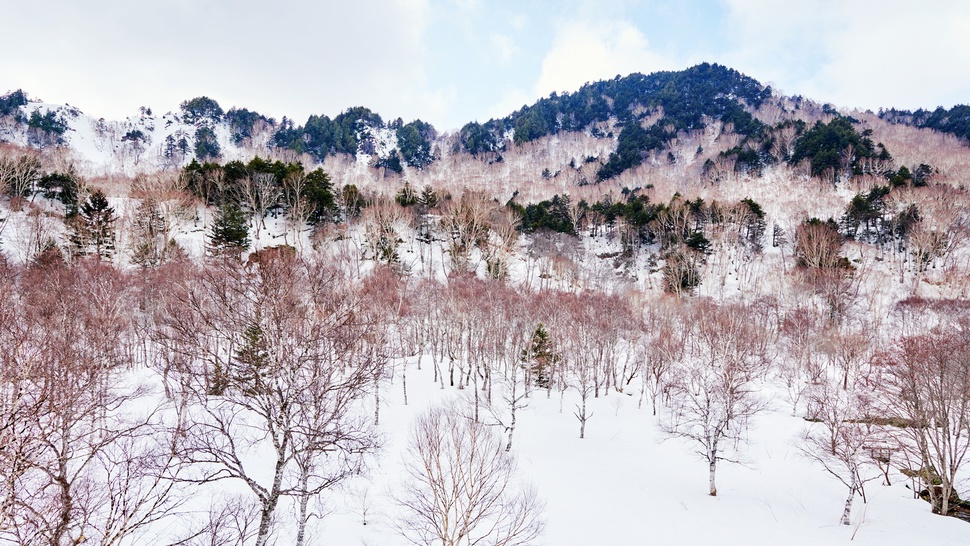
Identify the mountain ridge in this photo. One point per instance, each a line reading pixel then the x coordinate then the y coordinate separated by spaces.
pixel 643 114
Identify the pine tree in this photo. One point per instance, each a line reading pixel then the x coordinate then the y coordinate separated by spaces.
pixel 93 228
pixel 539 358
pixel 251 361
pixel 230 230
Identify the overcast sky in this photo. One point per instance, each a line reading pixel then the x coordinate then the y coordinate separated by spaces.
pixel 454 61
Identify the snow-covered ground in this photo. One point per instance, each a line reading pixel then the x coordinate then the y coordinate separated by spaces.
pixel 626 484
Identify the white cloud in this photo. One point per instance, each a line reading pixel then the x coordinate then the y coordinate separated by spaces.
pixel 511 100
pixel 504 47
pixel 584 52
pixel 292 59
pixel 862 53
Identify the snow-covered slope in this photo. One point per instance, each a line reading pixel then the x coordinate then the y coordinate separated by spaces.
pixel 625 484
pixel 140 143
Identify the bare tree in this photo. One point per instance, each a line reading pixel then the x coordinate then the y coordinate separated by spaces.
pixel 801 366
pixel 461 486
pixel 714 394
pixel 662 346
pixel 272 359
pixel 929 387
pixel 839 437
pixel 19 171
pixel 88 460
pixel 465 220
pixel 259 193
pixel 228 522
pixel 298 207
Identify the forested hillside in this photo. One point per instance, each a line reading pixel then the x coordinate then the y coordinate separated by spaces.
pixel 562 326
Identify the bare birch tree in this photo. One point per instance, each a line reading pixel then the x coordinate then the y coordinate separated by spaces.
pixel 272 363
pixel 929 387
pixel 714 394
pixel 462 486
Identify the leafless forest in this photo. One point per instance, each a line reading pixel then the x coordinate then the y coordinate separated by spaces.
pixel 136 377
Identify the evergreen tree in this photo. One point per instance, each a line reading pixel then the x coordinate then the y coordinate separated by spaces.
pixel 252 361
pixel 407 196
pixel 230 230
pixel 539 358
pixel 428 198
pixel 206 145
pixel 93 228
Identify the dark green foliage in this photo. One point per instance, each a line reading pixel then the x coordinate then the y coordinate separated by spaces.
pixel 230 230
pixel 322 136
pixel 204 181
pixel 698 242
pixel 64 188
pixel 135 135
pixel 687 99
pixel 635 210
pixel 918 177
pixel 250 367
pixel 955 121
pixel 201 109
pixel 825 143
pixel 865 212
pixel 428 198
pixel 319 192
pixel 476 138
pixel 902 177
pixel 536 122
pixel 754 207
pixel 217 184
pixel 539 358
pixel 867 219
pixel 353 201
pixel 11 103
pixel 749 160
pixel 549 215
pixel 93 227
pixel 206 145
pixel 242 121
pixel 392 162
pixel 633 145
pixel 407 196
pixel 47 128
pixel 176 147
pixel 753 226
pixel 905 221
pixel 414 142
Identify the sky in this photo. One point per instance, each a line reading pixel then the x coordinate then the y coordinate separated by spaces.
pixel 449 62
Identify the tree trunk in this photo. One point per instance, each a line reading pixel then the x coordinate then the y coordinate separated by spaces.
pixel 713 470
pixel 508 446
pixel 377 401
pixel 404 382
pixel 848 506
pixel 264 523
pixel 303 517
pixel 269 504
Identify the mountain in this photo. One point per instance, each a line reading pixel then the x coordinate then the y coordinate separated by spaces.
pixel 640 114
pixel 218 327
